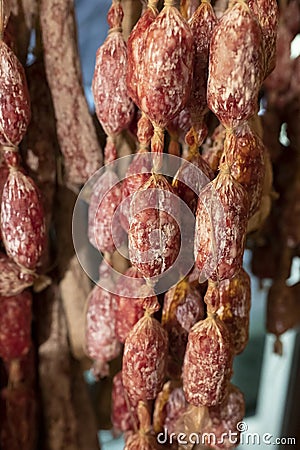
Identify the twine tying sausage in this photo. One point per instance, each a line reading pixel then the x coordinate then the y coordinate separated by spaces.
pixel 8 141
pixel 14 164
pixel 225 169
pixel 115 30
pixel 213 283
pixel 211 315
pixel 11 148
pixel 13 169
pixel 152 4
pixel 157 147
pixel 143 148
pixel 170 3
pixel 232 3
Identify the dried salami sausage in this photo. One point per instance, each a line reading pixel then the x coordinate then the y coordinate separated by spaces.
pixel 101 343
pixel 221 222
pixel 235 66
pixel 15 325
pixel 144 359
pixel 202 24
pixel 113 106
pixel 244 154
pixel 124 414
pixel 104 232
pixel 154 235
pixel 22 220
pixel 223 420
pixel 129 310
pixel 14 98
pixel 207 364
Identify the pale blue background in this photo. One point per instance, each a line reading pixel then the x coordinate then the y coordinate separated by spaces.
pixel 92 30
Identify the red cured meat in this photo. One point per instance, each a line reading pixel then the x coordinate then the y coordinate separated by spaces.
pixel 12 157
pixel 267 14
pixel 114 108
pixel 192 176
pixel 235 66
pixel 101 342
pixel 175 407
pixel 234 308
pixel 169 406
pixel 202 24
pixel 13 280
pixel 207 364
pixel 104 230
pixel 15 325
pixel 4 171
pixel 129 310
pixel 166 73
pixel 144 359
pixel 244 154
pixel 154 234
pixel 213 148
pixel 22 220
pixel 14 98
pixel 138 173
pixel 167 69
pixel 82 154
pixel 179 126
pixel 279 80
pixel 124 415
pixel 221 222
pixel 183 307
pixel 281 314
pixel 223 420
pixel 136 48
pixel 144 439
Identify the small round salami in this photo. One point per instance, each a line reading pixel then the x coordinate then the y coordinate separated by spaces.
pixel 14 98
pixel 22 220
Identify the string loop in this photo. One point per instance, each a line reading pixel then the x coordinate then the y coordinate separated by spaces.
pixel 115 30
pixel 170 3
pixel 152 4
